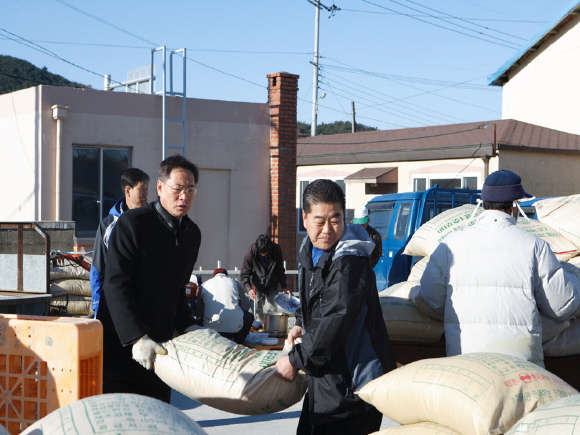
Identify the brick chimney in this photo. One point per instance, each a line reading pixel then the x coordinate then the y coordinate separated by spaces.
pixel 282 97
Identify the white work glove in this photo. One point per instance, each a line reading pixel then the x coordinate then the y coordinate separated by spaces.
pixel 144 351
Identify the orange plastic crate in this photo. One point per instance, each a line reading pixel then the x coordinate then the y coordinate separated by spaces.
pixel 46 363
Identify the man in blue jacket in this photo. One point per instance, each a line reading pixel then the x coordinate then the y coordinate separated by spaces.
pixel 344 339
pixel 135 184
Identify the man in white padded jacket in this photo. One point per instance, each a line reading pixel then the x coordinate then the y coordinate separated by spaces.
pixel 489 281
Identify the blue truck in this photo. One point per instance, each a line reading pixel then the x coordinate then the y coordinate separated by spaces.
pixel 397 216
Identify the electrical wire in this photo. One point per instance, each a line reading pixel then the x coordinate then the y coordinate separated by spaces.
pixel 392 100
pixel 34 46
pixel 148 48
pixel 152 43
pixel 511 45
pixel 429 136
pixel 423 92
pixel 465 21
pixel 468 19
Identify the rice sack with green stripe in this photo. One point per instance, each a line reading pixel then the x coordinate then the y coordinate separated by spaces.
pixel 219 373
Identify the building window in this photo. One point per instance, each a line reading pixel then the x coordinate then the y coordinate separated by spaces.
pixel 419 184
pixel 470 183
pixel 424 182
pixel 303 184
pixel 381 188
pixel 96 184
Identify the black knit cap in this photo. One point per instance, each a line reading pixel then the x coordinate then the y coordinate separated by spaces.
pixel 503 186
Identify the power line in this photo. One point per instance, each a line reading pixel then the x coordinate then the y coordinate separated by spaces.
pixel 30 44
pixel 399 78
pixel 391 101
pixel 468 19
pixel 94 17
pixel 88 44
pixel 443 27
pixel 464 20
pixel 28 79
pixel 403 139
pixel 150 42
pixel 433 92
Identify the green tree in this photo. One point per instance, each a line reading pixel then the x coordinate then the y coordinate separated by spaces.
pixel 16 74
pixel 335 127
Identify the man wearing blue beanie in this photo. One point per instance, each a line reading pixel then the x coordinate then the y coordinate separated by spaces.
pixel 490 281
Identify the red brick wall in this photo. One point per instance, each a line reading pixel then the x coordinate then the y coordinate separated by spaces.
pixel 282 97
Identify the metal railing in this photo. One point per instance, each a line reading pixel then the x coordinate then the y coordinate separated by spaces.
pixel 234 273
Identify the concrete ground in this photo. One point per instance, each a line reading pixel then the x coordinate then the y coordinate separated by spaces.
pixel 216 422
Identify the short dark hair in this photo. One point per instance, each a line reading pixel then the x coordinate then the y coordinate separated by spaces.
pixel 263 243
pixel 322 191
pixel 503 206
pixel 133 176
pixel 173 162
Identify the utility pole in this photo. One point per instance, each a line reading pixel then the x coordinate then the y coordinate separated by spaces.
pixel 353 118
pixel 332 9
pixel 315 77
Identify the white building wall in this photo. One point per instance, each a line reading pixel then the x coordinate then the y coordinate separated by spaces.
pixel 355 192
pixel 544 91
pixel 229 141
pixel 19 155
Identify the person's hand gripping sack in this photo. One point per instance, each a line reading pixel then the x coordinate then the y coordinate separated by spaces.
pixel 144 351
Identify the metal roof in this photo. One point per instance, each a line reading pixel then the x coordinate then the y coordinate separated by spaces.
pixel 454 141
pixel 551 30
pixel 374 175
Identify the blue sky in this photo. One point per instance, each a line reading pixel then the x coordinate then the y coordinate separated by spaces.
pixel 404 63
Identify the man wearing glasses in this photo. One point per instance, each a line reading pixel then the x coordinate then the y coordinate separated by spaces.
pixel 150 259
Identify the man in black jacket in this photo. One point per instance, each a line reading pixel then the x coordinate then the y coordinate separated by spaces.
pixel 344 339
pixel 150 259
pixel 262 271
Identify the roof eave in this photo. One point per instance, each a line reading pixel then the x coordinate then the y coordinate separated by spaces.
pixel 500 77
pixel 383 156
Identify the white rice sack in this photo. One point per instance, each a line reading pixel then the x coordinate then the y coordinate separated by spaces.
pixel 574 261
pixel 67 271
pixel 406 323
pixel 425 428
pixel 558 417
pixel 566 342
pixel 219 373
pixel 418 269
pixel 475 394
pixel 73 286
pixel 562 215
pixel 399 290
pixel 434 231
pixel 118 413
pixel 74 304
pixel 562 247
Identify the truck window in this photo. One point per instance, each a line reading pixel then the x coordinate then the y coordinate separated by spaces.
pixel 380 214
pixel 402 220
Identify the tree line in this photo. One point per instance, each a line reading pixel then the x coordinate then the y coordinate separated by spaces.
pixel 335 127
pixel 17 74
